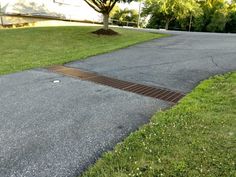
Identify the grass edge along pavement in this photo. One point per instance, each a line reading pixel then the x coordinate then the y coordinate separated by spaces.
pixel 194 138
pixel 28 48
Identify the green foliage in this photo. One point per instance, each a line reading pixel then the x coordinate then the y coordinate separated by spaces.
pixel 113 11
pixel 126 15
pixel 214 16
pixel 170 10
pixel 40 47
pixel 208 15
pixel 231 23
pixel 218 22
pixel 195 138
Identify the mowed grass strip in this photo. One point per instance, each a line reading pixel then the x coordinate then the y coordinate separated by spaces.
pixel 195 138
pixel 27 48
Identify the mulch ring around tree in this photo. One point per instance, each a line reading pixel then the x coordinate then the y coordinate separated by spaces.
pixel 105 32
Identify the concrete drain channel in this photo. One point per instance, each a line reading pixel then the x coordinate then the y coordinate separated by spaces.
pixel 149 91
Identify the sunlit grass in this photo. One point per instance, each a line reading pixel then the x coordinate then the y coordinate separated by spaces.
pixel 195 138
pixel 27 48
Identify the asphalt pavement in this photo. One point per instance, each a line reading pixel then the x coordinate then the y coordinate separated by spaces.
pixel 50 128
pixel 178 62
pixel 53 128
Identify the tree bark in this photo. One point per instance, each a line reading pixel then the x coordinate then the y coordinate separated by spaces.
pixel 190 22
pixel 167 25
pixel 1 14
pixel 1 20
pixel 105 21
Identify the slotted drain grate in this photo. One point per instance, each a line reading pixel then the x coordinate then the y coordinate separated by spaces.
pixel 154 92
pixel 72 72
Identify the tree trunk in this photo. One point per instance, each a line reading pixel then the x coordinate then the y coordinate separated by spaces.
pixel 167 25
pixel 139 14
pixel 1 20
pixel 190 22
pixel 1 14
pixel 105 21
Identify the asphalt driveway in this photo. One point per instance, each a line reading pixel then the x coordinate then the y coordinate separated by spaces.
pixel 59 129
pixel 179 62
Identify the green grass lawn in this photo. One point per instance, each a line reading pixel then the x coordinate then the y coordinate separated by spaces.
pixel 195 138
pixel 27 48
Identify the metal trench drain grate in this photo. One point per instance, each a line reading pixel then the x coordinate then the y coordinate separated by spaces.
pixel 154 92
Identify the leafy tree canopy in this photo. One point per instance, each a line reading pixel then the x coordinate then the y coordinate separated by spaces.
pixel 199 15
pixel 171 9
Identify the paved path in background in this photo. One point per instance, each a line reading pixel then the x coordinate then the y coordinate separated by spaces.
pixel 58 129
pixel 179 62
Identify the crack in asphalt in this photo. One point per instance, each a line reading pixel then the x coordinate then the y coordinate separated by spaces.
pixel 216 64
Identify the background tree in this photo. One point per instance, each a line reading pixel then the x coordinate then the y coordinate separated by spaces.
pixel 214 16
pixel 193 10
pixel 125 15
pixel 104 7
pixel 231 23
pixel 171 10
pixel 113 11
pixel 196 15
pixel 1 14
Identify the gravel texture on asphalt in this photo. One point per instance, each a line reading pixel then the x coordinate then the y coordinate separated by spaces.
pixel 59 128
